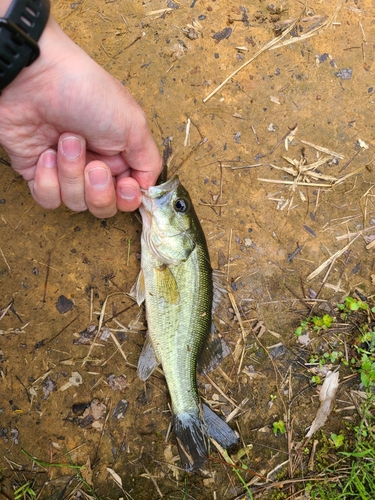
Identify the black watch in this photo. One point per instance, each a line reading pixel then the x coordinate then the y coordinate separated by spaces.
pixel 20 30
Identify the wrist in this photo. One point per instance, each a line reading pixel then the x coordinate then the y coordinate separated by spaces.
pixel 20 30
pixel 4 6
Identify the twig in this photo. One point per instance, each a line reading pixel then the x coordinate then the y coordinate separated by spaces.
pixel 47 275
pixel 349 161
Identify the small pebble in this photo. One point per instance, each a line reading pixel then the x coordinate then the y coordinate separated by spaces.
pixel 202 17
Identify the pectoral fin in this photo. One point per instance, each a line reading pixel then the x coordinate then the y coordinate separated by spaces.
pixel 138 289
pixel 147 360
pixel 166 285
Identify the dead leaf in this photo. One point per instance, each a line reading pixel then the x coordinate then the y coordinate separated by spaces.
pixel 327 397
pixel 117 479
pixel 86 472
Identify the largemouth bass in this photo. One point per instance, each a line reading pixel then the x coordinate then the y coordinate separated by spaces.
pixel 176 284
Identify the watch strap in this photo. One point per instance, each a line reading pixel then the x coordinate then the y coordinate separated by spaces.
pixel 20 30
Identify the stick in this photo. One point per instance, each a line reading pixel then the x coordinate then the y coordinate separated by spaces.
pixel 47 275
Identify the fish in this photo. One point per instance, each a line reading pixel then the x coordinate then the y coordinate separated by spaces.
pixel 176 283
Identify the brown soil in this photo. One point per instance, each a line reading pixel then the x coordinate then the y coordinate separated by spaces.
pixel 170 62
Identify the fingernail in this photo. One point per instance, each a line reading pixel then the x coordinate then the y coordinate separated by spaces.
pixel 128 192
pixel 71 148
pixel 99 177
pixel 49 159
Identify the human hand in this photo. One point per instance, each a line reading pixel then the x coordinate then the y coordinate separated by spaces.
pixel 75 133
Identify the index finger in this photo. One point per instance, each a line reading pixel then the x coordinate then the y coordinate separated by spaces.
pixel 141 153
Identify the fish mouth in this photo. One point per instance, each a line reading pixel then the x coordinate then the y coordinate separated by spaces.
pixel 153 196
pixel 160 190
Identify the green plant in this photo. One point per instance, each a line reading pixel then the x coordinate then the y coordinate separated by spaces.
pixel 316 323
pixel 278 426
pixel 71 465
pixel 351 305
pixel 315 379
pixel 24 492
pixel 338 439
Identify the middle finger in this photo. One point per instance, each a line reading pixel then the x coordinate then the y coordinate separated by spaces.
pixel 71 161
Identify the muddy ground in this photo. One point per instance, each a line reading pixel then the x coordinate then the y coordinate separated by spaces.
pixel 267 236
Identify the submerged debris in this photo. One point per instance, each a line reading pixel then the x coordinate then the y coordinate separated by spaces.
pixel 63 304
pixel 222 35
pixel 94 415
pixel 120 410
pixel 48 386
pixel 117 383
pixel 88 334
pixel 75 380
pixel 344 74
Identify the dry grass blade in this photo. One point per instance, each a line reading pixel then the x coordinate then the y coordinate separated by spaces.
pixel 315 31
pixel 333 257
pixel 158 12
pixel 323 150
pixel 239 350
pixel 297 183
pixel 6 262
pixel 277 43
pixel 101 321
pixel 326 22
pixel 268 45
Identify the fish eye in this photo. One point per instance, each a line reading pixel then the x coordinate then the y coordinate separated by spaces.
pixel 181 205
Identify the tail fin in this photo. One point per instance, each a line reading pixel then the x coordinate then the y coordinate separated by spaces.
pixel 218 429
pixel 192 440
